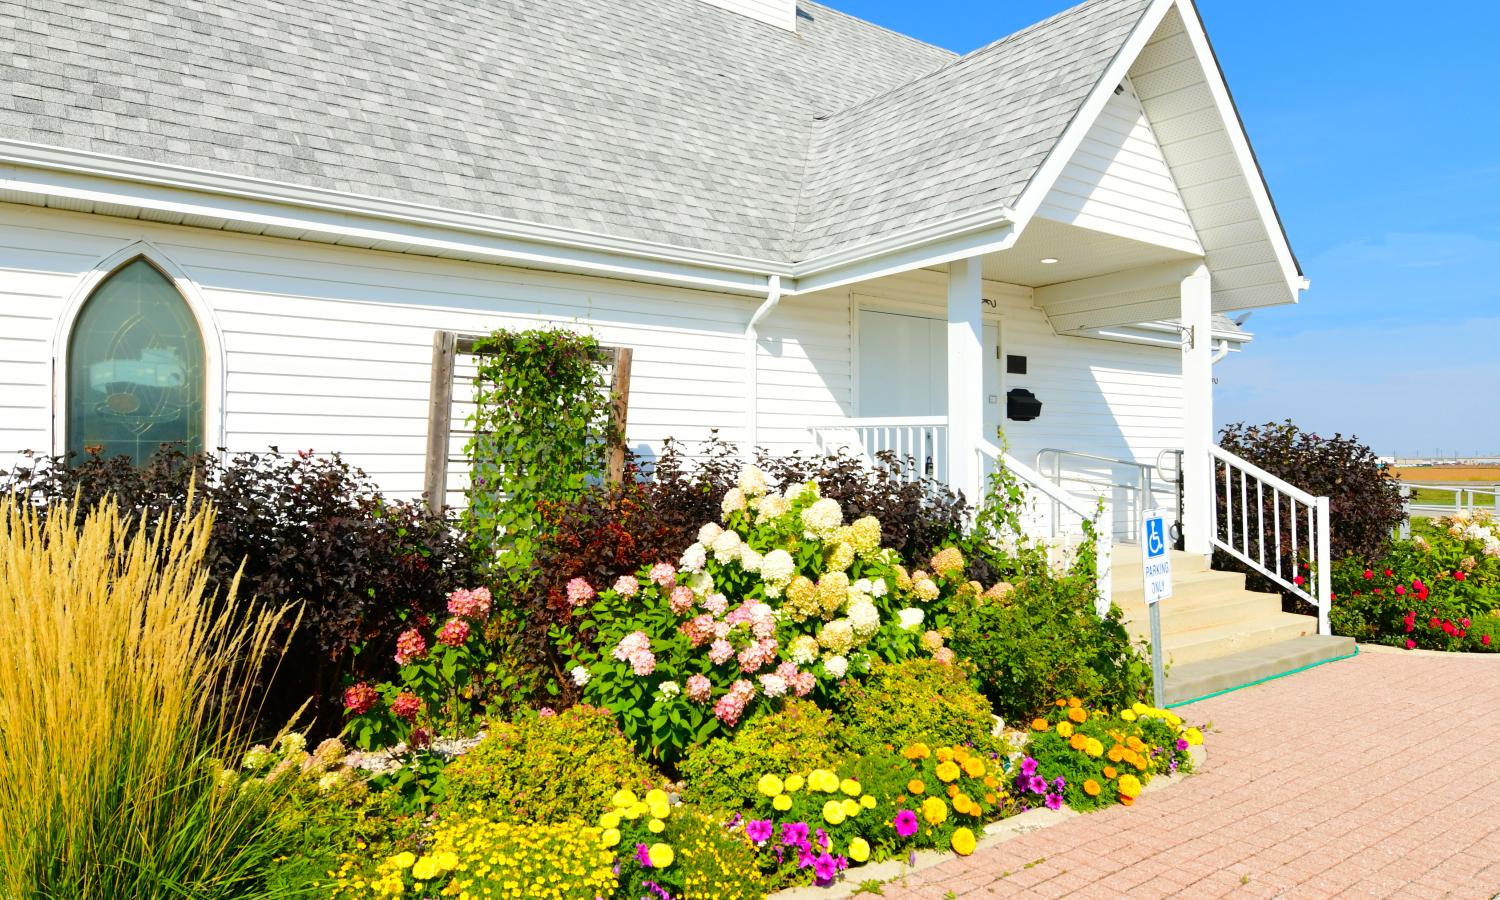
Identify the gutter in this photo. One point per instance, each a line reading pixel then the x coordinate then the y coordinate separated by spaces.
pixel 752 367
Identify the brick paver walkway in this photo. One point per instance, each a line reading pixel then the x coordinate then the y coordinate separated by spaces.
pixel 1378 776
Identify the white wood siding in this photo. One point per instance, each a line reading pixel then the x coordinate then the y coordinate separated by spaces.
pixel 781 13
pixel 1118 182
pixel 329 348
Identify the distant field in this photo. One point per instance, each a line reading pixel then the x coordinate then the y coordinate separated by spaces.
pixel 1479 476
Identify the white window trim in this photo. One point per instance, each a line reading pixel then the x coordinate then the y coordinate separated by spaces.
pixel 208 327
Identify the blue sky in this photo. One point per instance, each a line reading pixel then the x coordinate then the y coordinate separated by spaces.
pixel 1379 131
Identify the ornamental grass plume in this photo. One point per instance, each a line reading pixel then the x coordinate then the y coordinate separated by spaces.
pixel 123 684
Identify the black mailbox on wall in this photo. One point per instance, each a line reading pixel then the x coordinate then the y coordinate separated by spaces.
pixel 1022 405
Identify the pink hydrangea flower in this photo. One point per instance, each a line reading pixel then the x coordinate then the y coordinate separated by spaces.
pixel 716 604
pixel 627 586
pixel 720 652
pixel 360 698
pixel 699 629
pixel 944 656
pixel 643 662
pixel 406 705
pixel 682 599
pixel 699 688
pixel 454 633
pixel 804 683
pixel 630 644
pixel 664 574
pixel 473 604
pixel 732 705
pixel 579 592
pixel 410 645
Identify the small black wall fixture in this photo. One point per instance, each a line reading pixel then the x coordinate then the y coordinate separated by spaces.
pixel 1022 405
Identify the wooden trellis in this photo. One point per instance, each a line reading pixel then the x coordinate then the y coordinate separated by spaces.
pixel 452 402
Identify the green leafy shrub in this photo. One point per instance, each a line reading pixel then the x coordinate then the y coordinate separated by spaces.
pixel 545 768
pixel 918 700
pixel 1044 640
pixel 721 774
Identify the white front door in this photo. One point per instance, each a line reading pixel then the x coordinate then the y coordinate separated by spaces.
pixel 903 368
pixel 994 380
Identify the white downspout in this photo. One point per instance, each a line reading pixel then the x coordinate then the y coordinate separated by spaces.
pixel 752 368
pixel 1222 352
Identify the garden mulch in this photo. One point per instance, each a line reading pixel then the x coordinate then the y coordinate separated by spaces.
pixel 1377 776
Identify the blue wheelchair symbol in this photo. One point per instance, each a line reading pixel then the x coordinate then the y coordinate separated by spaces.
pixel 1156 538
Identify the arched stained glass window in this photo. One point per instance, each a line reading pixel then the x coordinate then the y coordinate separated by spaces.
pixel 135 368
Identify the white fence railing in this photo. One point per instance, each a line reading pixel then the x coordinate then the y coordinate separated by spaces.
pixel 1054 513
pixel 923 439
pixel 1467 497
pixel 1275 528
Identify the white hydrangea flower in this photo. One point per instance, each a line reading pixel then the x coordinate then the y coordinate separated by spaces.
pixel 580 675
pixel 292 743
pixel 708 532
pixel 804 650
pixel 880 588
pixel 863 586
pixel 750 560
pixel 778 567
pixel 911 617
pixel 727 546
pixel 796 491
pixel 701 582
pixel 864 617
pixel 693 558
pixel 752 481
pixel 772 506
pixel 669 689
pixel 822 518
pixel 836 666
pixel 772 685
pixel 734 501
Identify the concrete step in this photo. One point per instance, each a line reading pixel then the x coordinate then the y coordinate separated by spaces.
pixel 1188 588
pixel 1233 637
pixel 1125 563
pixel 1178 619
pixel 1194 680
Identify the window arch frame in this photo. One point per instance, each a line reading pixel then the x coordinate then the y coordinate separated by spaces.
pixel 208 331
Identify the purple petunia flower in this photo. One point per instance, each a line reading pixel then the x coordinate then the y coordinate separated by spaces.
pixel 821 837
pixel 825 868
pixel 1028 766
pixel 794 834
pixel 1037 784
pixel 906 823
pixel 1054 801
pixel 1059 783
pixel 1182 744
pixel 804 856
pixel 758 830
pixel 642 856
pixel 657 889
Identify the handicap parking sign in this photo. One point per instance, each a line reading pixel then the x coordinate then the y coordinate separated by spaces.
pixel 1156 562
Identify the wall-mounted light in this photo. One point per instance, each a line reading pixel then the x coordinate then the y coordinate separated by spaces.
pixel 1050 261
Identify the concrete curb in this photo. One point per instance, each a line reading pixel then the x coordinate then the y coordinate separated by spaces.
pixel 995 833
pixel 1447 654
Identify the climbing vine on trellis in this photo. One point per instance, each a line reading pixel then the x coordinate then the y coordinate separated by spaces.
pixel 542 432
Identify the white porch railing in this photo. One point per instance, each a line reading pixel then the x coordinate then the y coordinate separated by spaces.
pixel 1250 526
pixel 923 439
pixel 1056 514
pixel 1132 486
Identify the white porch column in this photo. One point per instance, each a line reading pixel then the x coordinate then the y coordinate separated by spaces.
pixel 1197 410
pixel 965 374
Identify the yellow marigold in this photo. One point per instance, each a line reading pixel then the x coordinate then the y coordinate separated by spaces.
pixel 944 754
pixel 1094 748
pixel 948 771
pixel 1130 786
pixel 1193 736
pixel 952 791
pixel 1128 715
pixel 859 850
pixel 961 803
pixel 623 797
pixel 403 860
pixel 1173 719
pixel 823 781
pixel 916 751
pixel 425 869
pixel 1039 725
pixel 974 767
pixel 868 801
pixel 833 812
pixel 915 786
pixel 769 785
pixel 963 842
pixel 610 837
pixel 793 784
pixel 1077 714
pixel 849 786
pixel 1064 729
pixel 960 755
pixel 610 819
pixel 661 856
pixel 934 810
pixel 851 807
pixel 1092 788
pixel 782 802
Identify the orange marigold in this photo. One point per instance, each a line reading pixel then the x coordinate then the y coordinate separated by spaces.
pixel 973 767
pixel 916 751
pixel 916 786
pixel 1062 703
pixel 1109 772
pixel 1039 725
pixel 1092 788
pixel 1078 715
pixel 1074 702
pixel 1078 741
pixel 952 790
pixel 1116 753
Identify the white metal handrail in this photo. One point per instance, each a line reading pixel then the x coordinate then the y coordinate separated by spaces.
pixel 991 455
pixel 922 438
pixel 1241 529
pixel 1149 480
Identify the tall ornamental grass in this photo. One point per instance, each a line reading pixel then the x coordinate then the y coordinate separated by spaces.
pixel 122 686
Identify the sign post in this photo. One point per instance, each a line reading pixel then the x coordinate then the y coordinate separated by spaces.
pixel 1156 573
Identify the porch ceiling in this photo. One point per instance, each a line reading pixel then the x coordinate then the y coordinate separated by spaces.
pixel 1080 253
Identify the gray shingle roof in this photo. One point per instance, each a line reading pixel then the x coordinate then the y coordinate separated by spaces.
pixel 663 120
